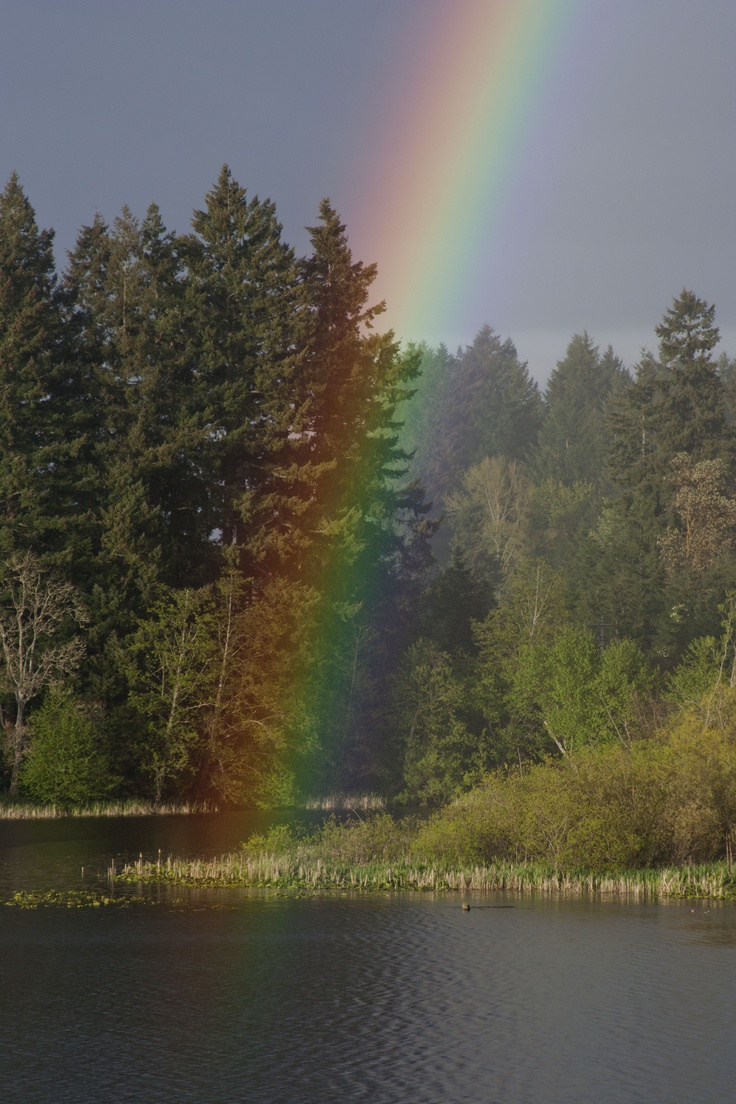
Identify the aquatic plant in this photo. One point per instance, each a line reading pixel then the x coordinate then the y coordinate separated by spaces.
pixel 20 810
pixel 297 869
pixel 66 898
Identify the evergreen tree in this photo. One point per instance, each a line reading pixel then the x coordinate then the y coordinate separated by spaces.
pixel 346 459
pixel 496 408
pixel 425 433
pixel 675 405
pixel 144 498
pixel 573 435
pixel 34 385
pixel 245 323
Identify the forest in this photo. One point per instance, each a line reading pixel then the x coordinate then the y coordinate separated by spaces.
pixel 254 550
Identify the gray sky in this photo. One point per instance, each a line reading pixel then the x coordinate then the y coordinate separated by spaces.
pixel 625 194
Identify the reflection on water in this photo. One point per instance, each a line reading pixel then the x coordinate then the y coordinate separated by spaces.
pixel 402 998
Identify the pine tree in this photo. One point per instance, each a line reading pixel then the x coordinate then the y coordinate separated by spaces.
pixel 34 368
pixel 246 316
pixel 311 617
pixel 496 408
pixel 573 435
pixel 675 405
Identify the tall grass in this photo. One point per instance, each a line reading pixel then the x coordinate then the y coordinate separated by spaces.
pixel 381 854
pixel 295 870
pixel 18 810
pixel 339 802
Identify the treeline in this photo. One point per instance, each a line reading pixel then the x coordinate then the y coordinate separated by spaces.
pixel 589 550
pixel 252 549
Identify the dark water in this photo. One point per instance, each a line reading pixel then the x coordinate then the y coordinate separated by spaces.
pixel 230 998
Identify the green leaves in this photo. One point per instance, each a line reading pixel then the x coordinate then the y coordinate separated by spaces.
pixel 171 675
pixel 67 763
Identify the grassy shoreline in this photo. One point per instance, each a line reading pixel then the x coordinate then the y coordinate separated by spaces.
pixel 298 872
pixel 132 807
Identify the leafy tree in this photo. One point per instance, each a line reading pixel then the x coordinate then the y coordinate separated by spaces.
pixel 489 515
pixel 577 695
pixel 171 668
pixel 66 764
pixel 706 516
pixel 441 753
pixel 531 611
pixel 38 615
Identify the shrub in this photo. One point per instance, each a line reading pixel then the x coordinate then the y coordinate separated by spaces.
pixel 66 764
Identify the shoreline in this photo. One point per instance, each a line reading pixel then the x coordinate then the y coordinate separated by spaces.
pixel 298 873
pixel 132 807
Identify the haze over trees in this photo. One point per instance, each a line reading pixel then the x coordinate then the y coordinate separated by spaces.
pixel 228 572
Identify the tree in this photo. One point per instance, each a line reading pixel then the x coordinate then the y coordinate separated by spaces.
pixel 452 603
pixel 424 433
pixel 706 516
pixel 497 405
pixel 477 403
pixel 674 405
pixel 34 424
pixel 344 514
pixel 66 764
pixel 489 515
pixel 441 753
pixel 38 615
pixel 245 316
pixel 171 671
pixel 573 435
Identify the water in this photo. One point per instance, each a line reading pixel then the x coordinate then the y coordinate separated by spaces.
pixel 225 998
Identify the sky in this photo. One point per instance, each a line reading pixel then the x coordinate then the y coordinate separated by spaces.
pixel 613 144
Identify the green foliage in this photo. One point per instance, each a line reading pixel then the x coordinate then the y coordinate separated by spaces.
pixel 201 443
pixel 489 515
pixel 441 752
pixel 67 763
pixel 170 675
pixel 668 800
pixel 696 674
pixel 574 435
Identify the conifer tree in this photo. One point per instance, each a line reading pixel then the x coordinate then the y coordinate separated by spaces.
pixel 675 405
pixel 310 618
pixel 245 320
pixel 573 435
pixel 34 384
pixel 495 408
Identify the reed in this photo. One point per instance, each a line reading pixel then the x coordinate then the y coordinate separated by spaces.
pixel 342 802
pixel 296 869
pixel 18 810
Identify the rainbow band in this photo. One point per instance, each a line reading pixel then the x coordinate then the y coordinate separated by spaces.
pixel 433 205
pixel 452 158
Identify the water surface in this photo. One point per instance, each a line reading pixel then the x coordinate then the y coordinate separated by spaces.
pixel 225 997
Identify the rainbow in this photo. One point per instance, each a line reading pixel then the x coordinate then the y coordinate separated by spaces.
pixel 473 83
pixel 456 151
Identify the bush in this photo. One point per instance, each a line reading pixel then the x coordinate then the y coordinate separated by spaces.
pixel 65 764
pixel 671 799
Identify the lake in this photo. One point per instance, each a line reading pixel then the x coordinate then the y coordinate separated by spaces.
pixel 222 997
